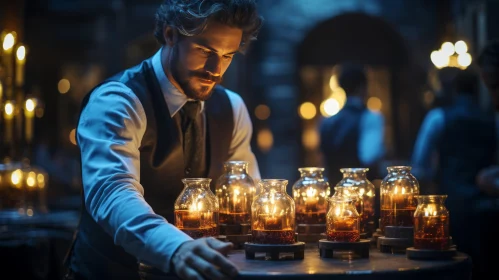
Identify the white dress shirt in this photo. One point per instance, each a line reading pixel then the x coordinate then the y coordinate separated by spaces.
pixel 110 132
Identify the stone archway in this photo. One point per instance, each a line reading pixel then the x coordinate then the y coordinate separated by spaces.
pixel 366 39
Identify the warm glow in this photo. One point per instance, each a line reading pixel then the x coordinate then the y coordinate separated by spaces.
pixel 31 180
pixel 63 86
pixel 374 104
pixel 337 211
pixel 72 136
pixel 461 47
pixel 16 177
pixel 307 110
pixel 464 60
pixel 265 140
pixel 310 138
pixel 330 107
pixel 9 108
pixel 30 105
pixel 8 41
pixel 340 95
pixel 21 53
pixel 447 48
pixel 41 180
pixel 196 206
pixel 311 192
pixel 262 112
pixel 430 211
pixel 333 82
pixel 439 59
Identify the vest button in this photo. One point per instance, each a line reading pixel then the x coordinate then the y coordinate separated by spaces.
pixel 187 171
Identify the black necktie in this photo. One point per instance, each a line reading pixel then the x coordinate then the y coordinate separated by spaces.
pixel 193 139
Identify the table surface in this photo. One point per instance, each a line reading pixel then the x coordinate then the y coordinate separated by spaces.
pixel 378 266
pixel 314 267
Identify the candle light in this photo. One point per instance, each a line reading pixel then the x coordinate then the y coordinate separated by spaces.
pixel 29 113
pixel 311 200
pixel 273 223
pixel 431 223
pixel 20 61
pixel 8 45
pixel 399 198
pixel 8 115
pixel 193 217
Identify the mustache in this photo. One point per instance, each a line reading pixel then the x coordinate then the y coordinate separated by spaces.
pixel 207 76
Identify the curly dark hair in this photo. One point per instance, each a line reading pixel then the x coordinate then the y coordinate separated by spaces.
pixel 488 58
pixel 190 17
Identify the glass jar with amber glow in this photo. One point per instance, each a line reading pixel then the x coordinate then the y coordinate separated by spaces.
pixel 35 180
pixel 197 209
pixel 431 223
pixel 235 190
pixel 356 186
pixel 273 214
pixel 343 220
pixel 398 203
pixel 12 188
pixel 311 194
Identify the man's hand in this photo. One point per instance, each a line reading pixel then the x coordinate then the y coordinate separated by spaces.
pixel 488 180
pixel 204 258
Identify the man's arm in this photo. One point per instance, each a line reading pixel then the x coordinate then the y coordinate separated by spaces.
pixel 240 147
pixel 372 136
pixel 426 145
pixel 110 130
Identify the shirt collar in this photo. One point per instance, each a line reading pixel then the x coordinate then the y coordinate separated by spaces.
pixel 174 98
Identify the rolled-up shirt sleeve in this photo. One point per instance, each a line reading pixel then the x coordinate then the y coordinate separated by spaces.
pixel 109 134
pixel 240 147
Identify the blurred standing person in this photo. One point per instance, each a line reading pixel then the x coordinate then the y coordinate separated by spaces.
pixel 488 61
pixel 354 137
pixel 488 177
pixel 454 143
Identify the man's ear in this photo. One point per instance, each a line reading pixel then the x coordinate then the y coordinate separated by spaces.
pixel 171 35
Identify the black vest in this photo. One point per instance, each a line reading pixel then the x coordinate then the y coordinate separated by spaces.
pixel 468 144
pixel 94 254
pixel 339 142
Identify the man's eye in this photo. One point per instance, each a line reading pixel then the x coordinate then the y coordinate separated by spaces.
pixel 228 57
pixel 204 51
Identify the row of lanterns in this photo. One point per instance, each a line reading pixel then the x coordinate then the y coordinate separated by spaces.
pixel 272 216
pixel 22 189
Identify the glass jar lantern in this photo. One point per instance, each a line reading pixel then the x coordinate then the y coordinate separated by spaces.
pixel 197 209
pixel 35 180
pixel 431 223
pixel 343 221
pixel 311 194
pixel 356 186
pixel 12 188
pixel 235 191
pixel 273 214
pixel 397 202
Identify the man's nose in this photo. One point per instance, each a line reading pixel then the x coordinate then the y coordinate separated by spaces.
pixel 214 65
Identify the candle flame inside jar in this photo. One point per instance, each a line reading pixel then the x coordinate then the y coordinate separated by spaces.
pixel 430 211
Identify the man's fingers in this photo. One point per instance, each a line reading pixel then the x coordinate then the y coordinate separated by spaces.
pixel 216 258
pixel 205 268
pixel 222 247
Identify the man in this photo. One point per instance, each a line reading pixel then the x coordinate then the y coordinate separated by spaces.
pixel 454 143
pixel 488 61
pixel 146 128
pixel 355 136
